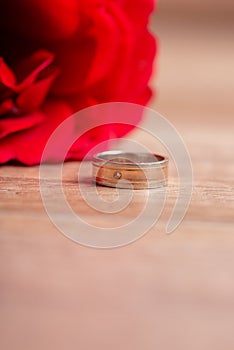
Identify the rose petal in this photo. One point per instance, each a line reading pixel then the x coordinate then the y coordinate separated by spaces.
pixel 33 97
pixel 139 13
pixel 7 77
pixel 133 66
pixel 122 64
pixel 105 51
pixel 73 59
pixel 30 68
pixel 107 42
pixel 41 20
pixel 27 146
pixel 10 125
pixel 7 106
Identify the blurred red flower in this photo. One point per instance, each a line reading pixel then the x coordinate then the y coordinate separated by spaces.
pixel 60 56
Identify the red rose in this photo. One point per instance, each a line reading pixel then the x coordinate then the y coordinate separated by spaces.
pixel 60 56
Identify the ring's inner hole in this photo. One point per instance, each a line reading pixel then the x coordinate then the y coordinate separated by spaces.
pixel 132 157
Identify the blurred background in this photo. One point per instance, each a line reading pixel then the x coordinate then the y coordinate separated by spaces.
pixel 195 79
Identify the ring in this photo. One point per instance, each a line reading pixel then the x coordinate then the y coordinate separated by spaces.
pixel 130 170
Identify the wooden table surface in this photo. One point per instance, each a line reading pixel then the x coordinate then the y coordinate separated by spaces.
pixel 163 291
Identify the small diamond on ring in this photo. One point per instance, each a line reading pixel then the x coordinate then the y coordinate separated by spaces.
pixel 117 175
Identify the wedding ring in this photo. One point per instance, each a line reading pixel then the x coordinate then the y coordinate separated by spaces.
pixel 130 170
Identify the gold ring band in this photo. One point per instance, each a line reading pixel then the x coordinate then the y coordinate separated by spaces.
pixel 130 170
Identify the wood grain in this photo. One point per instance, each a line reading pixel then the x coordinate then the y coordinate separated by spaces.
pixel 162 291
